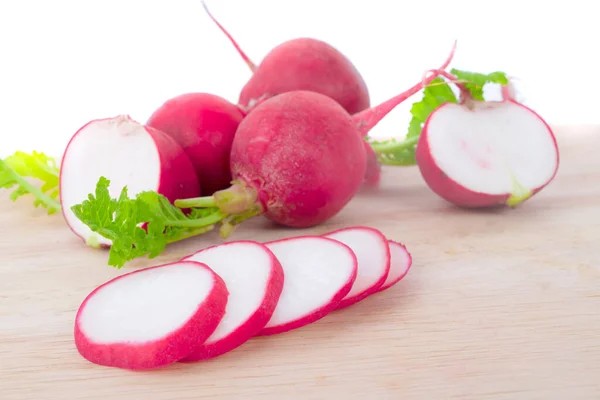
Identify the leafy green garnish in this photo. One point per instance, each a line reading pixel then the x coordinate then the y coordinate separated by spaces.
pixel 438 92
pixel 475 81
pixel 121 220
pixel 145 224
pixel 17 170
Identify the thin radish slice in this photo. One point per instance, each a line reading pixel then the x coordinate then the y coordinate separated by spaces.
pixel 319 272
pixel 400 263
pixel 128 154
pixel 373 255
pixel 254 279
pixel 151 317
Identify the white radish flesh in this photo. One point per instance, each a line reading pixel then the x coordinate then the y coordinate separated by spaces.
pixel 318 271
pixel 128 154
pixel 486 154
pixel 400 263
pixel 373 255
pixel 151 317
pixel 254 279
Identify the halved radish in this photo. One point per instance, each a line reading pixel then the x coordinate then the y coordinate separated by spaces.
pixel 400 263
pixel 254 279
pixel 486 153
pixel 128 154
pixel 151 317
pixel 318 274
pixel 373 255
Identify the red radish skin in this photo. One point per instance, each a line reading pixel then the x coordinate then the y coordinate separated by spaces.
pixel 302 64
pixel 152 317
pixel 298 158
pixel 204 125
pixel 373 256
pixel 483 154
pixel 319 272
pixel 300 151
pixel 373 170
pixel 254 278
pixel 400 264
pixel 128 154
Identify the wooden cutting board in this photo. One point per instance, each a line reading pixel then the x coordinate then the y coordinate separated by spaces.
pixel 498 305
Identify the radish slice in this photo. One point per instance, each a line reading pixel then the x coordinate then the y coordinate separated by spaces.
pixel 128 154
pixel 319 272
pixel 400 263
pixel 151 317
pixel 373 255
pixel 254 279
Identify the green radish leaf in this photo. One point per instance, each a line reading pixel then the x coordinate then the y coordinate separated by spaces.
pixel 122 221
pixel 438 92
pixel 475 81
pixel 17 171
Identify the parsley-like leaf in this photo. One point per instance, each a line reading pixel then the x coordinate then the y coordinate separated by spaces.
pixel 17 170
pixel 475 81
pixel 438 92
pixel 122 221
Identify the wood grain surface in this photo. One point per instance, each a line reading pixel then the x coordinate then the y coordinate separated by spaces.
pixel 499 304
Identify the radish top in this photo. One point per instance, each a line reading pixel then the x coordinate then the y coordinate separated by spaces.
pixel 435 93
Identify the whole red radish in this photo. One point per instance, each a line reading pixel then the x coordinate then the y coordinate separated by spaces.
pixel 204 125
pixel 298 158
pixel 486 153
pixel 254 278
pixel 303 64
pixel 151 317
pixel 128 154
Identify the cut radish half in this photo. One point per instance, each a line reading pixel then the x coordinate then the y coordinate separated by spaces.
pixel 318 274
pixel 400 263
pixel 254 279
pixel 486 153
pixel 373 254
pixel 151 317
pixel 128 154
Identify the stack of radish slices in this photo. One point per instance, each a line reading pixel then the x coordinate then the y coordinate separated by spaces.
pixel 216 299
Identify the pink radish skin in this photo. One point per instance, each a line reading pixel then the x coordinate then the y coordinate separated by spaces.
pixel 254 278
pixel 400 264
pixel 303 64
pixel 128 154
pixel 204 125
pixel 373 170
pixel 302 156
pixel 373 255
pixel 318 271
pixel 484 154
pixel 151 317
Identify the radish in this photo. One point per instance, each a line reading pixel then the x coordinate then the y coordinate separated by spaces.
pixel 254 279
pixel 151 317
pixel 373 254
pixel 290 153
pixel 130 155
pixel 400 264
pixel 302 64
pixel 204 125
pixel 318 274
pixel 486 153
pixel 297 159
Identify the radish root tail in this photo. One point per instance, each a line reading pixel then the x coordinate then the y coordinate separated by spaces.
pixel 246 59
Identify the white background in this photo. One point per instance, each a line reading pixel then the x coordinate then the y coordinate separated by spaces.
pixel 63 63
